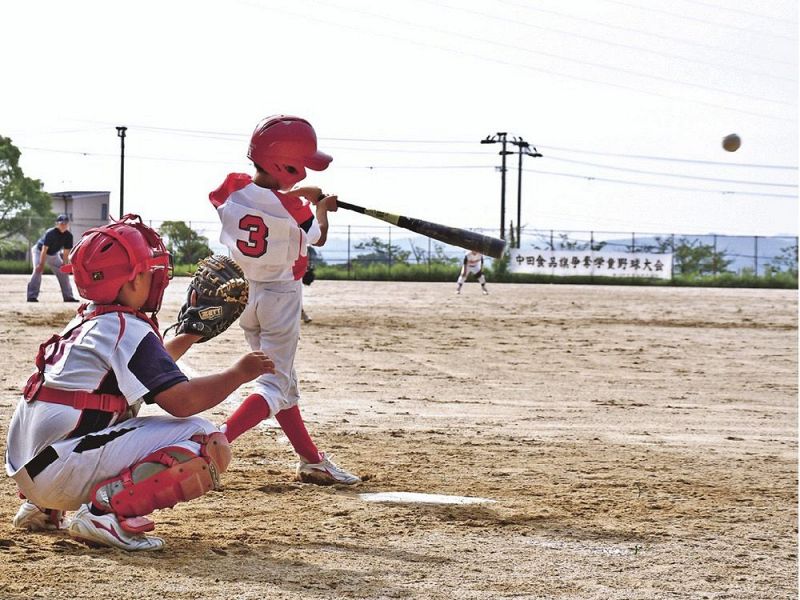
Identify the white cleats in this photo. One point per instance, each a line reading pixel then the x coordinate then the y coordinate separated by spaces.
pixel 325 472
pixel 31 517
pixel 304 316
pixel 458 292
pixel 485 292
pixel 105 530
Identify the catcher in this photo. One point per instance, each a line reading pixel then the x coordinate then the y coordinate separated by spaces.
pixel 75 442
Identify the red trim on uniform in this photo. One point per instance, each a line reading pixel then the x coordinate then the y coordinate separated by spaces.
pixel 297 208
pixel 121 329
pixel 300 211
pixel 233 183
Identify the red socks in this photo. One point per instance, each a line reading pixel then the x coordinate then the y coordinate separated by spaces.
pixel 292 424
pixel 250 413
pixel 255 409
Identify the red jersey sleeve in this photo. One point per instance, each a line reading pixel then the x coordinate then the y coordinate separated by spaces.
pixel 233 182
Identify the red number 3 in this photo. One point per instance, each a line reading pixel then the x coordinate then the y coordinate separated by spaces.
pixel 256 244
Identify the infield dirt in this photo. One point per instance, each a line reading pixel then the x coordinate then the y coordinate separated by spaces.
pixel 638 443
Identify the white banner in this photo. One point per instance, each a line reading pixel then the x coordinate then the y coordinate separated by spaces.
pixel 563 263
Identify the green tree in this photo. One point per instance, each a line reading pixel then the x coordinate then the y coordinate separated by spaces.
pixel 24 205
pixel 691 257
pixel 185 244
pixel 786 260
pixel 380 252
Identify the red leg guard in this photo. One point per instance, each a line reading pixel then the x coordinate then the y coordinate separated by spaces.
pixel 166 477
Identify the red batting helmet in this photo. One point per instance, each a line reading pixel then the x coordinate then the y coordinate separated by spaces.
pixel 106 257
pixel 284 146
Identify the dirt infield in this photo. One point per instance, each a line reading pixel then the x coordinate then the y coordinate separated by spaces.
pixel 636 442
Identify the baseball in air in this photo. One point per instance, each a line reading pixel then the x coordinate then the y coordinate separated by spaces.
pixel 731 142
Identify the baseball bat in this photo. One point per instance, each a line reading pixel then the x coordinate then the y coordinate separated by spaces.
pixel 485 244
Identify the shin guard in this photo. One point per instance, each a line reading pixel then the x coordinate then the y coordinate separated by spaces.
pixel 164 478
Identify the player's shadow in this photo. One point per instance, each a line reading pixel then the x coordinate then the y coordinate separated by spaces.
pixel 223 566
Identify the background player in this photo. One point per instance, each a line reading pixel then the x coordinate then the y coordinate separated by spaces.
pixel 267 230
pixel 52 249
pixel 74 441
pixel 473 265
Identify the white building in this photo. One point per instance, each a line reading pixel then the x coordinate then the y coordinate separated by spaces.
pixel 85 209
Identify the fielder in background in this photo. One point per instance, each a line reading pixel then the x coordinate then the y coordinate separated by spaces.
pixel 75 441
pixel 473 265
pixel 52 250
pixel 267 226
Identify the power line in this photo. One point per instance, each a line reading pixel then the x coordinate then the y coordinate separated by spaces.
pixel 668 159
pixel 662 186
pixel 741 12
pixel 307 17
pixel 559 56
pixel 607 42
pixel 657 35
pixel 678 175
pixel 686 17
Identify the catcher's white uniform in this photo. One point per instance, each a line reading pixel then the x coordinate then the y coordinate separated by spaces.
pixel 57 453
pixel 268 233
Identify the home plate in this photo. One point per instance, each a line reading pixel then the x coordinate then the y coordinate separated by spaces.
pixel 414 497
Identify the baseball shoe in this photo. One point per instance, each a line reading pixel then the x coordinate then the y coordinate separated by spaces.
pixel 31 517
pixel 305 317
pixel 71 300
pixel 325 472
pixel 458 292
pixel 105 530
pixel 485 292
pixel 32 300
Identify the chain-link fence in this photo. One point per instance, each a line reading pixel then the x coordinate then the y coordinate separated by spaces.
pixel 385 244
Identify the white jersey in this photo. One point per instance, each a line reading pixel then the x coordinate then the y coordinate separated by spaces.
pixel 114 353
pixel 267 232
pixel 473 262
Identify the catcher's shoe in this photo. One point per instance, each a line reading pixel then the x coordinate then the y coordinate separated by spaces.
pixel 325 472
pixel 105 530
pixel 31 517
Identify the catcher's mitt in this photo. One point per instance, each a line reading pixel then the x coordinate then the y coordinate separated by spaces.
pixel 215 298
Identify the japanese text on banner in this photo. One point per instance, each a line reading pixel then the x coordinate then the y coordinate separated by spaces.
pixel 602 264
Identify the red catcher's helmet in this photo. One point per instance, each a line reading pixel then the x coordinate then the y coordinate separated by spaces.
pixel 107 257
pixel 284 146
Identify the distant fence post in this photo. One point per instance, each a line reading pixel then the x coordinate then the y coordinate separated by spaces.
pixel 633 242
pixel 429 255
pixel 390 252
pixel 348 252
pixel 714 258
pixel 755 254
pixel 672 243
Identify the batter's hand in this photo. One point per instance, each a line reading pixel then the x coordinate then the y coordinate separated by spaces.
pixel 329 203
pixel 254 364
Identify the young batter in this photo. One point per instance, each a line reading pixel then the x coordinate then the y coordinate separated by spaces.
pixel 75 442
pixel 473 265
pixel 267 230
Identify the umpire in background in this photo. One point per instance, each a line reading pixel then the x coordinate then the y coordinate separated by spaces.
pixel 52 249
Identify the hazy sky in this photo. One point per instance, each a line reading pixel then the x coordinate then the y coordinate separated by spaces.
pixel 627 100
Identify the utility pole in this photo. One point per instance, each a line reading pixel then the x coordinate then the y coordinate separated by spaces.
pixel 524 148
pixel 500 137
pixel 121 135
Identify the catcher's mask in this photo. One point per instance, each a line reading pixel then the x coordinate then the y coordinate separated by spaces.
pixel 284 146
pixel 107 257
